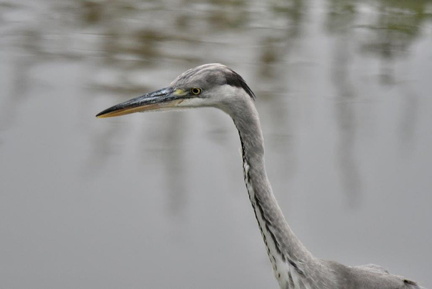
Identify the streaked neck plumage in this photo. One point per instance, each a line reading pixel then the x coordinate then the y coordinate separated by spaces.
pixel 293 265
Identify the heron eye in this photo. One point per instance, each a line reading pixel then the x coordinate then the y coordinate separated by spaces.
pixel 196 90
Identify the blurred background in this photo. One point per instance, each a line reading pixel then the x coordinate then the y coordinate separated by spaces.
pixel 157 200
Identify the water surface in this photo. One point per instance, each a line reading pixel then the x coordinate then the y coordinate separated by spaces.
pixel 157 200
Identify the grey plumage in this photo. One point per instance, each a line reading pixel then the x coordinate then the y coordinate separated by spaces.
pixel 216 85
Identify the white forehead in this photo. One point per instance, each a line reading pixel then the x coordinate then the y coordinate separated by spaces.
pixel 213 73
pixel 211 76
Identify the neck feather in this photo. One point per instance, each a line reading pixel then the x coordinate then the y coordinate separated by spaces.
pixel 290 259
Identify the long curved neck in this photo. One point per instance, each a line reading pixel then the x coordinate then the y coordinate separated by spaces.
pixel 290 259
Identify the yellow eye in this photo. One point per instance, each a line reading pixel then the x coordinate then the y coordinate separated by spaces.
pixel 196 90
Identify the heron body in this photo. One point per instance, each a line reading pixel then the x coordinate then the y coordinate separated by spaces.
pixel 215 85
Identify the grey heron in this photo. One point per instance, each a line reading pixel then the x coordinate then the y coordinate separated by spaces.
pixel 216 85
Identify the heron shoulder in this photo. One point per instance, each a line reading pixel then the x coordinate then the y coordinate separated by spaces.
pixel 369 277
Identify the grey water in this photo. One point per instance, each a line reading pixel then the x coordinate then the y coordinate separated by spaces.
pixel 157 200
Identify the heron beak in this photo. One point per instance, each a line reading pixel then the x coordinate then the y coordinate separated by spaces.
pixel 162 98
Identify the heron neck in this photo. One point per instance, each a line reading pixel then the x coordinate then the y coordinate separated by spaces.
pixel 283 247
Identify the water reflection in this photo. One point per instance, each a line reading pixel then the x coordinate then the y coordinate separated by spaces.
pixel 340 19
pixel 336 80
pixel 170 133
pixel 395 28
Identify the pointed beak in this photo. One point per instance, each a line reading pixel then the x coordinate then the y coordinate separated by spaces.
pixel 159 99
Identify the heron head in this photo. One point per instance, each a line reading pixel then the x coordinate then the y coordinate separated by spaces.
pixel 208 85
